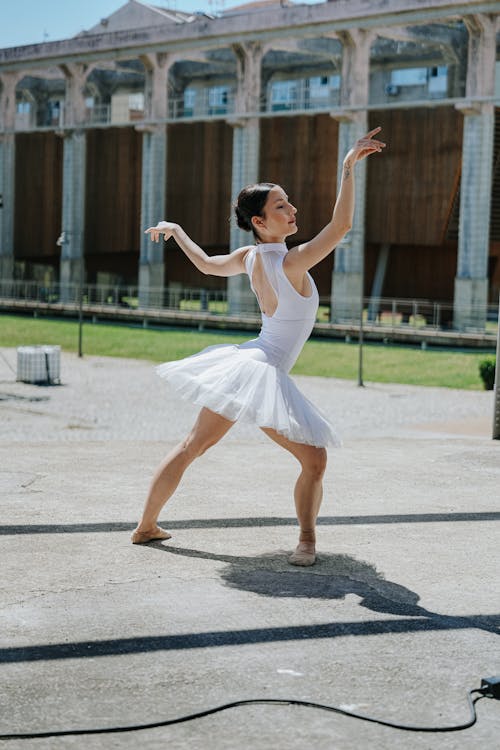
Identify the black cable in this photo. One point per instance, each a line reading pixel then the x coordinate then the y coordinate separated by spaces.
pixel 249 702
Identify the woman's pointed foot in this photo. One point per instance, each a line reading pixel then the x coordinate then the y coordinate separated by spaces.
pixel 142 537
pixel 304 555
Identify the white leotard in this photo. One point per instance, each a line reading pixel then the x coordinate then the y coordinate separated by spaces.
pixel 284 333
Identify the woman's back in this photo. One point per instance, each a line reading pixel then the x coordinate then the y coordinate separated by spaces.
pixel 287 316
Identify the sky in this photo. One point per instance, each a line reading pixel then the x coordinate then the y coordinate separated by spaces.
pixel 34 21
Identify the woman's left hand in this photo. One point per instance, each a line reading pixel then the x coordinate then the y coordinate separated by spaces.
pixel 365 146
pixel 165 228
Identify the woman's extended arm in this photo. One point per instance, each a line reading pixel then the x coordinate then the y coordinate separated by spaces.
pixel 300 259
pixel 216 265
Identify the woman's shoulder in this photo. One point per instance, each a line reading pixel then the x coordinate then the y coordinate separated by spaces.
pixel 244 253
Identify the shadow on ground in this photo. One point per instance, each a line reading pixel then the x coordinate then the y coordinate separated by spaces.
pixel 107 527
pixel 333 577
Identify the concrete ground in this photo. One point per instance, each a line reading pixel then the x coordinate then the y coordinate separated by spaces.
pixel 398 619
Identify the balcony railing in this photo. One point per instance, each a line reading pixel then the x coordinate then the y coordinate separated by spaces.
pixel 203 103
pixel 302 100
pixel 99 114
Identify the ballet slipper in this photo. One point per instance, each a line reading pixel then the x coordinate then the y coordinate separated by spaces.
pixel 304 555
pixel 142 537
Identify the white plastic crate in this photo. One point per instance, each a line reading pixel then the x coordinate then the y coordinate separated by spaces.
pixel 39 364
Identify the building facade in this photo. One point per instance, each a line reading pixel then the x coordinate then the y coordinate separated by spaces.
pixel 154 113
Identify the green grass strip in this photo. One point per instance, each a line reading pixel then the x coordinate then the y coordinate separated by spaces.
pixel 382 363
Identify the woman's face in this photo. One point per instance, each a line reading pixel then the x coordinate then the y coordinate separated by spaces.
pixel 278 220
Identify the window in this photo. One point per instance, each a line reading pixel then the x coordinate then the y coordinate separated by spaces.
pixel 218 97
pixel 438 80
pixel 54 108
pixel 189 98
pixel 320 87
pixel 409 77
pixel 136 101
pixel 283 93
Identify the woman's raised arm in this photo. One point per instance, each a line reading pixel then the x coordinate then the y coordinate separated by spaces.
pixel 303 257
pixel 215 265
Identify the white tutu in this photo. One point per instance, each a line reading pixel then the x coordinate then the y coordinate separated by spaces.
pixel 238 383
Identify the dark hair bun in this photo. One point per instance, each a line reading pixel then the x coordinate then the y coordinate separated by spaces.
pixel 242 220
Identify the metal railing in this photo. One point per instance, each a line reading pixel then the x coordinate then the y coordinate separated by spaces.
pixel 415 315
pixel 303 99
pixel 202 103
pixel 379 313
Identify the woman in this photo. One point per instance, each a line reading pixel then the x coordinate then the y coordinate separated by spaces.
pixel 251 381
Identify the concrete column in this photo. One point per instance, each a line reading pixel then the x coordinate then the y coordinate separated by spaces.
pixel 76 75
pixel 72 239
pixel 246 149
pixel 7 173
pixel 151 263
pixel 348 272
pixel 72 263
pixel 245 171
pixel 471 282
pixel 154 176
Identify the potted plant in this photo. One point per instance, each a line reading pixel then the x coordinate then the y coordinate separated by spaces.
pixel 487 373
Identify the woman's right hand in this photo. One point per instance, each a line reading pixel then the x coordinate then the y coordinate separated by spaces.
pixel 165 228
pixel 364 147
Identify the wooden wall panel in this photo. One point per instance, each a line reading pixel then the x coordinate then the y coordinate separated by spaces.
pixel 38 195
pixel 113 191
pixel 199 181
pixel 300 154
pixel 412 184
pixel 122 267
pixel 419 272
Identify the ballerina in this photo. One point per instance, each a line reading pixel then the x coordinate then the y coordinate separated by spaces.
pixel 250 381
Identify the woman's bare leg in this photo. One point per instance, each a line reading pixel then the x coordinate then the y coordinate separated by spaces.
pixel 209 428
pixel 308 493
